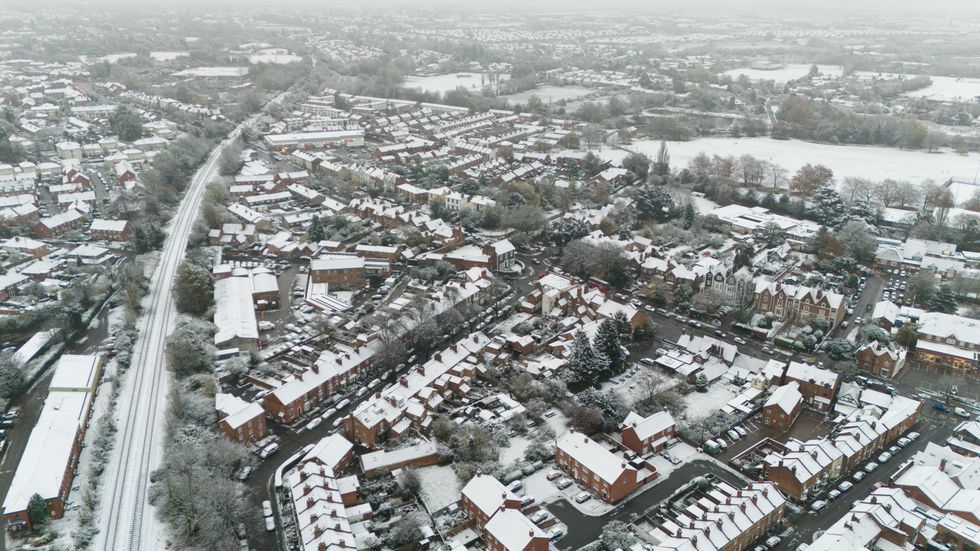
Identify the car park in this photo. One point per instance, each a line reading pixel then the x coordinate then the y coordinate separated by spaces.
pixel 582 497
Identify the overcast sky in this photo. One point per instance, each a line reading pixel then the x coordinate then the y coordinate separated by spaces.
pixel 830 8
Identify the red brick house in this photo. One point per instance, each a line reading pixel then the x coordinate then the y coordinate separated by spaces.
pixel 240 421
pixel 598 468
pixel 484 496
pixel 649 434
pixel 783 406
pixel 879 359
pixel 511 530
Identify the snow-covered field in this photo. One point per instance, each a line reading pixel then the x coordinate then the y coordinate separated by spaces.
pixel 876 163
pixel 791 71
pixel 449 82
pixel 550 94
pixel 949 89
pixel 213 72
pixel 279 59
pixel 440 486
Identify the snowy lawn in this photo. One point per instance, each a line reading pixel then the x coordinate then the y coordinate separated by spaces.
pixel 515 451
pixel 872 162
pixel 440 486
pixel 700 405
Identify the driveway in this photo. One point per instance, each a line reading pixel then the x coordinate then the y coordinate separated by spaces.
pixel 584 529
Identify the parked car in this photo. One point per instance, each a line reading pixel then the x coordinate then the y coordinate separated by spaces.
pixel 884 457
pixel 894 450
pixel 845 486
pixel 939 406
pixel 539 517
pixel 527 501
pixel 267 508
pixel 833 494
pixel 269 450
pixel 515 486
pixel 902 442
pixel 582 497
pixel 961 412
pixel 314 423
pixel 556 533
pixel 270 524
pixel 773 542
pixel 244 473
pixel 858 476
pixel 732 434
pixel 741 431
pixel 912 436
pixel 564 483
pixel 818 505
pixel 739 340
pixel 553 475
pixel 871 466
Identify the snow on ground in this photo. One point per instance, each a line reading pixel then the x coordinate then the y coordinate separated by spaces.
pixel 700 405
pixel 514 319
pixel 440 487
pixel 540 487
pixel 872 162
pixel 451 81
pixel 959 89
pixel 791 71
pixel 515 451
pixel 559 424
pixel 550 94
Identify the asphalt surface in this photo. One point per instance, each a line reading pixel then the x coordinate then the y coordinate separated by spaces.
pixel 584 529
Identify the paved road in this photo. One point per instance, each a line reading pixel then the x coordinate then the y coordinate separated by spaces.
pixel 124 521
pixel 584 529
pixel 933 426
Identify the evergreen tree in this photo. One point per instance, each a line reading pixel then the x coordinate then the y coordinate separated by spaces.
pixel 193 289
pixel 945 300
pixel 37 511
pixel 607 342
pixel 661 167
pixel 654 203
pixel 581 362
pixel 690 214
pixel 316 232
pixel 828 207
